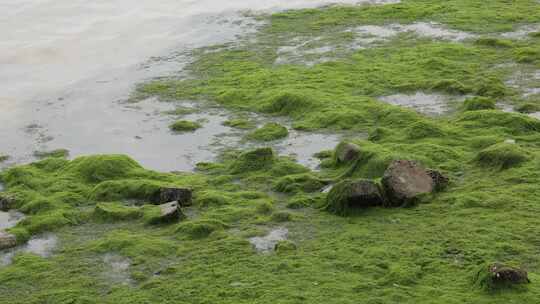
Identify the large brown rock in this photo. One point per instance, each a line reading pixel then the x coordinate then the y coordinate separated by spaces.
pixel 347 196
pixel 7 240
pixel 406 181
pixel 168 194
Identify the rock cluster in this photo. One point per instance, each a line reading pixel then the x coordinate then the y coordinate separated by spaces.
pixel 404 183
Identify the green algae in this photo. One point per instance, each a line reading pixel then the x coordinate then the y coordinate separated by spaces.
pixel 116 211
pixel 185 126
pixel 502 156
pixel 239 123
pixel 424 254
pixel 268 132
pixel 478 103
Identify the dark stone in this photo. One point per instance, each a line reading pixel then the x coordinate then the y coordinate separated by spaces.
pixel 364 194
pixel 6 202
pixel 507 274
pixel 440 181
pixel 7 240
pixel 347 196
pixel 166 194
pixel 406 181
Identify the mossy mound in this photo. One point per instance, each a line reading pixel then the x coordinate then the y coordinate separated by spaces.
pixel 254 160
pixel 268 132
pixel 3 158
pixel 527 55
pixel 494 42
pixel 210 198
pixel 199 229
pixel 239 123
pixel 528 108
pixel 288 102
pixel 502 156
pixel 301 201
pixel 137 189
pixel 116 211
pixel 478 103
pixel 299 183
pixel 451 86
pixel 424 129
pixel 285 246
pixel 99 168
pixel 185 126
pixel 282 216
pixel 511 123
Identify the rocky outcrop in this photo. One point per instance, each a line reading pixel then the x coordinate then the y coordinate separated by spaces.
pixel 7 240
pixel 168 194
pixel 348 195
pixel 347 152
pixel 406 181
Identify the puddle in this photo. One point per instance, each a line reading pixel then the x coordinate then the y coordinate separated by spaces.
pixel 117 269
pixel 303 145
pixel 522 32
pixel 310 51
pixel 526 81
pixel 43 246
pixel 370 34
pixel 267 243
pixel 10 219
pixel 428 104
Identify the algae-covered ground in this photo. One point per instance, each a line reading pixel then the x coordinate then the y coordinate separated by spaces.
pixel 324 69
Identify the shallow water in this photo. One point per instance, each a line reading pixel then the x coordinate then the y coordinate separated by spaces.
pixel 522 32
pixel 298 50
pixel 65 67
pixel 526 81
pixel 117 269
pixel 10 219
pixel 42 245
pixel 267 243
pixel 425 103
